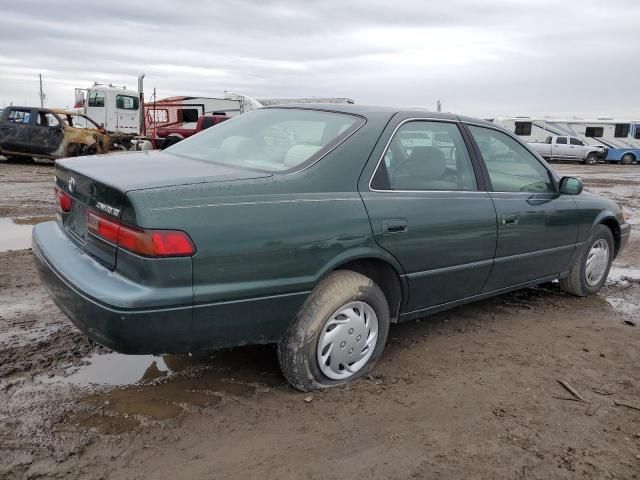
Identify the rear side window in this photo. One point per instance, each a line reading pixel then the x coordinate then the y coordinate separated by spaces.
pixel 512 168
pixel 561 140
pixel 270 139
pixel 19 116
pixel 425 155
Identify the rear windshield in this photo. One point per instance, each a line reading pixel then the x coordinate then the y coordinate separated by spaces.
pixel 269 139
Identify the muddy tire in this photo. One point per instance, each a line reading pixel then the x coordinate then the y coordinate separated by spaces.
pixel 591 268
pixel 592 159
pixel 627 159
pixel 338 334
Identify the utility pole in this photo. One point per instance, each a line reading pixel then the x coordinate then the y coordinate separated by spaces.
pixel 42 95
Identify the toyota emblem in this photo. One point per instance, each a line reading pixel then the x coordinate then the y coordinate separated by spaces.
pixel 71 183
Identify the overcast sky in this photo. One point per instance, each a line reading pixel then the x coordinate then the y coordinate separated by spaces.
pixel 478 57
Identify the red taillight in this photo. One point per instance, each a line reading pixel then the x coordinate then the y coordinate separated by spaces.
pixel 65 201
pixel 150 243
pixel 103 227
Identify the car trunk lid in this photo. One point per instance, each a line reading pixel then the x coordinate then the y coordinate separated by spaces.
pixel 88 193
pixel 100 183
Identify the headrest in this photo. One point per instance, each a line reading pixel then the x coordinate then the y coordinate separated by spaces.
pixel 427 162
pixel 237 145
pixel 299 153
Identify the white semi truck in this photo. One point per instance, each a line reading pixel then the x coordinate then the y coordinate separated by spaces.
pixel 118 109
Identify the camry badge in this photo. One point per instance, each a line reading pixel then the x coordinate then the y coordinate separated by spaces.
pixel 71 183
pixel 108 209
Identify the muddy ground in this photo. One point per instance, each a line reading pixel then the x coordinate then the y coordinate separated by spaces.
pixel 469 393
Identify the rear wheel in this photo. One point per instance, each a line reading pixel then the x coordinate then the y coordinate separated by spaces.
pixel 590 270
pixel 592 159
pixel 338 335
pixel 627 159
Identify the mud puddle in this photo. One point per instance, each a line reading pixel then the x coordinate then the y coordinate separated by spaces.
pixel 114 370
pixel 127 391
pixel 15 233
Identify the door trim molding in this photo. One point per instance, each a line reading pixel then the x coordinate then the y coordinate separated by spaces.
pixel 537 253
pixel 481 296
pixel 490 261
pixel 455 268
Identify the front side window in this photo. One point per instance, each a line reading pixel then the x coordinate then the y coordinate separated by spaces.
pixel 425 155
pixel 80 121
pixel 561 140
pixel 270 139
pixel 96 98
pixel 575 141
pixel 125 102
pixel 19 116
pixel 512 168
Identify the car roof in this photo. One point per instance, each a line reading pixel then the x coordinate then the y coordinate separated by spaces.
pixel 369 110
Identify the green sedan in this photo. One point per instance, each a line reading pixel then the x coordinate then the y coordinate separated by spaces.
pixel 315 228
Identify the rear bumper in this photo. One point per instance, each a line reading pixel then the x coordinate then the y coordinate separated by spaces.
pixel 88 293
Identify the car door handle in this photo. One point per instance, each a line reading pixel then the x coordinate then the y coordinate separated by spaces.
pixel 509 219
pixel 394 225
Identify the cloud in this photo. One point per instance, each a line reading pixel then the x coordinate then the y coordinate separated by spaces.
pixel 479 58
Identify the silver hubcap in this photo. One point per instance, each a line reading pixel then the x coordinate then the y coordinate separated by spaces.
pixel 597 262
pixel 348 340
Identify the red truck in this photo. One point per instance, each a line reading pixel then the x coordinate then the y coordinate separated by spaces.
pixel 171 134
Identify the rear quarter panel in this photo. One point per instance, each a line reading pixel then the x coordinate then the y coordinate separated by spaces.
pixel 258 256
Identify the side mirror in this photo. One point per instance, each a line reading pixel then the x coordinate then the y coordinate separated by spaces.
pixel 570 186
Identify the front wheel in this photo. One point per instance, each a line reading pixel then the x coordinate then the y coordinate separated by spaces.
pixel 338 334
pixel 591 268
pixel 592 159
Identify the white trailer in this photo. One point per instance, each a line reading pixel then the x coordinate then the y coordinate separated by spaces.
pixel 612 133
